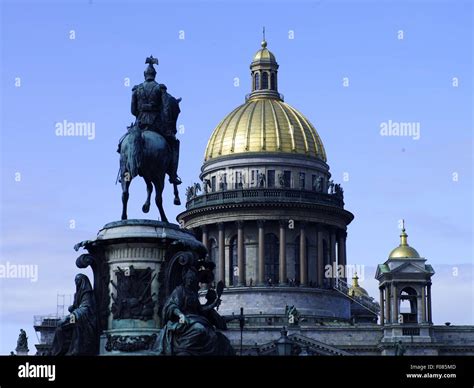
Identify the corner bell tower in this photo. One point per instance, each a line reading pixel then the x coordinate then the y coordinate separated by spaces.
pixel 405 299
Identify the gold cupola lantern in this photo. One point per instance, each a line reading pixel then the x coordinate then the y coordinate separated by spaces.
pixel 404 251
pixel 264 71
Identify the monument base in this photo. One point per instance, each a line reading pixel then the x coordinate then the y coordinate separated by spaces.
pixel 129 259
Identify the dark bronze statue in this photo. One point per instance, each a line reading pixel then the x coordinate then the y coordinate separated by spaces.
pixel 338 190
pixel 206 185
pixel 22 342
pixel 281 180
pixel 293 315
pixel 400 349
pixel 150 148
pixel 190 327
pixel 192 191
pixel 331 187
pixel 76 334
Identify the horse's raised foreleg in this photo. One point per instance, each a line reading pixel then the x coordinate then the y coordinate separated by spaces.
pixel 176 201
pixel 149 190
pixel 159 198
pixel 125 180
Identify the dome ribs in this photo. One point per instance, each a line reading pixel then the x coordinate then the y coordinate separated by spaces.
pixel 249 125
pixel 277 127
pixel 300 127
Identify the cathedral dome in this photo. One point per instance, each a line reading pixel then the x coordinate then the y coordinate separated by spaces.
pixel 265 123
pixel 404 250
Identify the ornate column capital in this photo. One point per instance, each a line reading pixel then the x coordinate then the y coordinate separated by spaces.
pixel 260 223
pixel 220 225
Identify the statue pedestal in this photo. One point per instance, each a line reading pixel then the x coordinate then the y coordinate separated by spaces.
pixel 129 259
pixel 21 352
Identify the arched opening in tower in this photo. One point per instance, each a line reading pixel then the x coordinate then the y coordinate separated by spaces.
pixel 408 305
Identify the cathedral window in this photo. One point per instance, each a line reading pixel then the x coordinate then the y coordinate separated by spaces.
pixel 257 81
pixel 265 80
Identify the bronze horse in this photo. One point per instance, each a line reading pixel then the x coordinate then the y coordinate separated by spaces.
pixel 147 154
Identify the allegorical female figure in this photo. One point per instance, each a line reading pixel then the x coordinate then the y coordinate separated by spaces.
pixel 77 333
pixel 22 342
pixel 190 327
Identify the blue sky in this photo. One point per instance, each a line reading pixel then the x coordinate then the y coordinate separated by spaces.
pixel 69 181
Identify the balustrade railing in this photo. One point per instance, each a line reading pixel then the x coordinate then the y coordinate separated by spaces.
pixel 264 195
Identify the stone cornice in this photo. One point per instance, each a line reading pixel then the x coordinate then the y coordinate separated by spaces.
pixel 344 216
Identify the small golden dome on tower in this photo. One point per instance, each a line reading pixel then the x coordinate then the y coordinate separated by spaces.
pixel 264 55
pixel 404 250
pixel 356 289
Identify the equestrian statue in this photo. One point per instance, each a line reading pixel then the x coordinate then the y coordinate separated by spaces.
pixel 150 148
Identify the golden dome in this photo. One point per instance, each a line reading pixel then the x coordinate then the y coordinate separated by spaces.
pixel 356 289
pixel 264 54
pixel 403 250
pixel 265 125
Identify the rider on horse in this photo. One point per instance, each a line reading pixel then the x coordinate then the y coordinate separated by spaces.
pixel 150 106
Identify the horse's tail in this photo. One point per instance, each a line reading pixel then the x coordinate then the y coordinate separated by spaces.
pixel 134 151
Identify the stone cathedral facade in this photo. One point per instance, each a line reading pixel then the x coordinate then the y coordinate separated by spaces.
pixel 273 221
